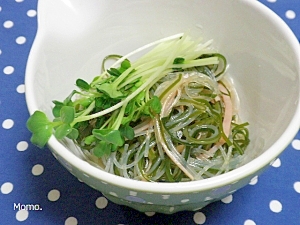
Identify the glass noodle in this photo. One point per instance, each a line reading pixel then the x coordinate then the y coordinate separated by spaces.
pixel 169 116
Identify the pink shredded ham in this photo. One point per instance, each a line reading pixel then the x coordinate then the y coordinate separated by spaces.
pixel 226 123
pixel 228 111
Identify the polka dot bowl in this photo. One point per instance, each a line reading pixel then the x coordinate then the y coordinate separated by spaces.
pixel 73 37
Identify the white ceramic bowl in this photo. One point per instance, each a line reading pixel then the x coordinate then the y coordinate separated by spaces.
pixel 74 36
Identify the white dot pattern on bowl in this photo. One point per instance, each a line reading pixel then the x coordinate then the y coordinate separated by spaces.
pixel 165 196
pixel 171 209
pixel 132 193
pixel 220 191
pixel 113 194
pixel 185 200
pixel 135 199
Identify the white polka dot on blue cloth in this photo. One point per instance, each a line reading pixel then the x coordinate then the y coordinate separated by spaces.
pixel 21 89
pixel 297 186
pixel 101 202
pixel 227 199
pixel 8 24
pixel 249 222
pixel 37 169
pixel 6 188
pixel 31 13
pixel 254 180
pixel 22 215
pixel 53 195
pixel 71 221
pixel 20 40
pixel 275 206
pixel 276 163
pixel 7 124
pixel 290 14
pixel 8 70
pixel 296 144
pixel 150 213
pixel 199 218
pixel 22 146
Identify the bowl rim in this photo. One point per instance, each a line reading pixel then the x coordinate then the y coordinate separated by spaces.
pixel 249 169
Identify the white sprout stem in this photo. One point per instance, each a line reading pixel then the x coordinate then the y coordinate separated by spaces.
pixel 159 73
pixel 147 46
pixel 120 60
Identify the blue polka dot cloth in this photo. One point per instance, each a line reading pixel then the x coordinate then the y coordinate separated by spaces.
pixel 28 176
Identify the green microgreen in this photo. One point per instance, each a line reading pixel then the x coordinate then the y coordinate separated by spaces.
pixel 110 90
pixel 152 107
pixel 67 114
pixel 62 130
pixel 109 135
pixel 100 115
pixel 114 72
pixel 127 131
pixel 41 128
pixel 178 60
pixel 82 84
pixel 103 148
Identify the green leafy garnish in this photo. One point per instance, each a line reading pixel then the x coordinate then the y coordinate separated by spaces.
pixel 127 132
pixel 178 60
pixel 114 72
pixel 67 114
pixel 62 130
pixel 73 134
pixel 40 127
pixel 109 135
pixel 103 148
pixel 101 115
pixel 82 84
pixel 110 90
pixel 153 106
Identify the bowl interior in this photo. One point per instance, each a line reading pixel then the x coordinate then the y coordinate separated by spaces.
pixel 73 37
